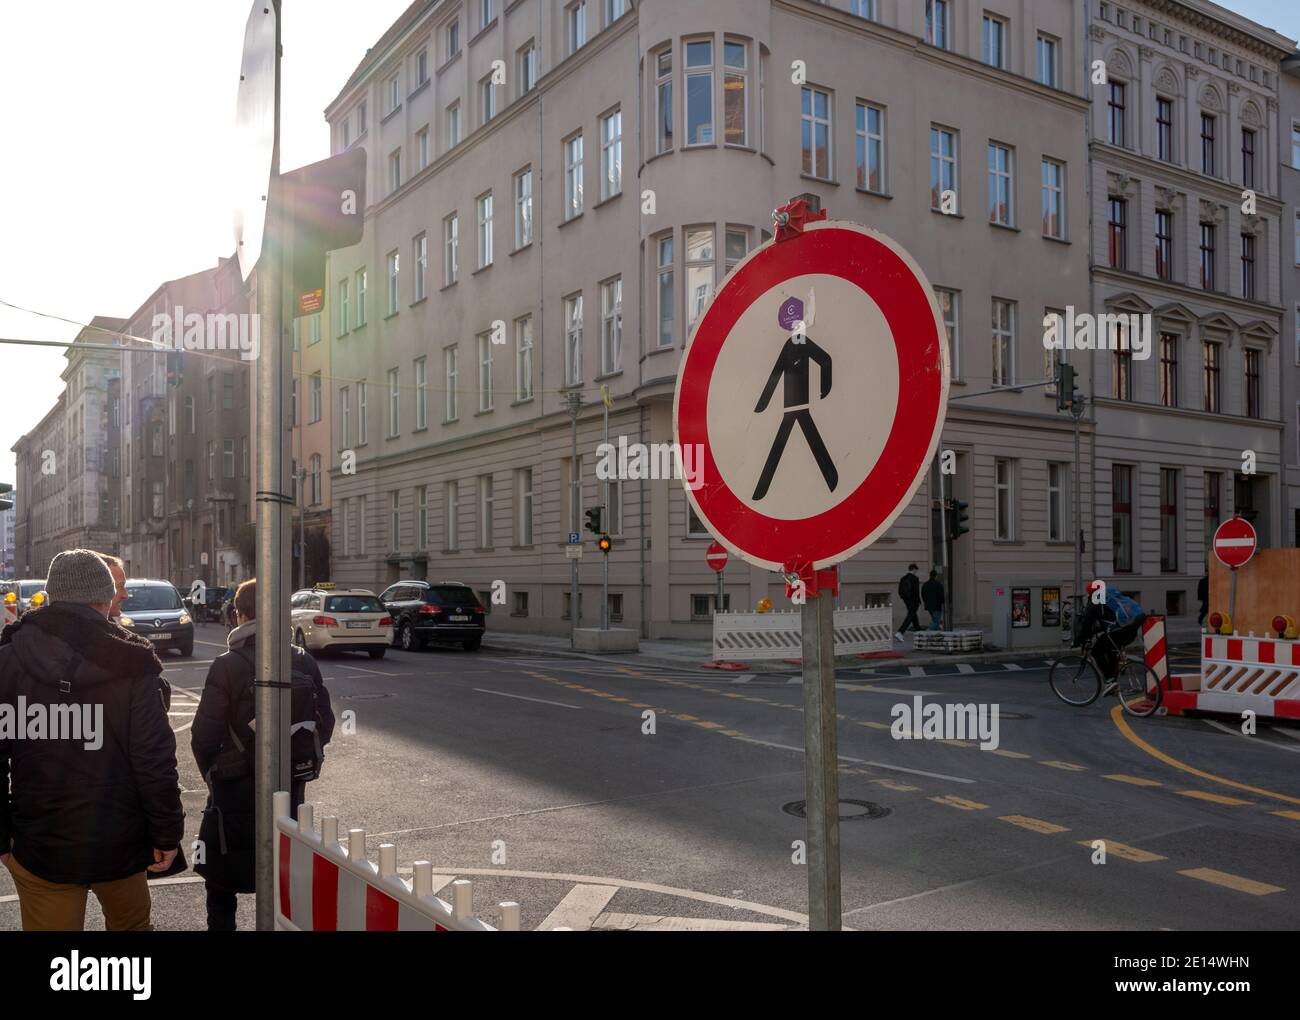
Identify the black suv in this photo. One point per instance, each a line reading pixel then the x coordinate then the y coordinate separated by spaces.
pixel 154 610
pixel 424 611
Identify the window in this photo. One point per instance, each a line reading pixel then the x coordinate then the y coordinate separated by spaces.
pixel 1211 355
pixel 1115 106
pixel 1053 199
pixel 614 9
pixel 485 13
pixel 1207 256
pixel 1164 244
pixel 484 371
pixel 735 93
pixel 394 94
pixel 1003 500
pixel 737 246
pixel 936 23
pixel 699 92
pixel 1117 232
pixel 313 337
pixel 613 519
pixel 1295 146
pixel 453 124
pixel 422 147
pixel 1003 328
pixel 189 415
pixel 421 517
pixel 451 371
pixel 420 256
pixel 870 155
pixel 1169 369
pixel 526 68
pixel 362 290
pixel 313 475
pixel 1207 144
pixel 1168 520
pixel 345 414
pixel 343 307
pixel 664 286
pixel 524 208
pixel 1213 486
pixel 524 505
pixel 421 68
pixel 450 250
pixel 573 340
pixel 611 154
pixel 1121 384
pixel 521 604
pixel 664 102
pixel 212 459
pixel 484 230
pixel 487 99
pixel 524 358
pixel 228 458
pixel 611 326
pixel 943 165
pixel 573 176
pixel 394 405
pixel 1121 513
pixel 486 506
pixel 575 19
pixel 361 118
pixel 393 269
pixel 421 393
pixel 1046 61
pixel 864 9
pixel 1247 157
pixel 363 415
pixel 1248 266
pixel 315 398
pixel 451 508
pixel 699 272
pixel 394 520
pixel 1252 362
pixel 293 404
pixel 995 42
pixel 394 170
pixel 1056 475
pixel 948 309
pixel 1164 129
pixel 816 121
pixel 347 527
pixel 1001 185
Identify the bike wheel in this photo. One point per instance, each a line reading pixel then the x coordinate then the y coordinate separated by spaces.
pixel 1139 689
pixel 1075 679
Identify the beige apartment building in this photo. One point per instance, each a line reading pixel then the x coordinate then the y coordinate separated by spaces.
pixel 1184 134
pixel 312 450
pixel 582 211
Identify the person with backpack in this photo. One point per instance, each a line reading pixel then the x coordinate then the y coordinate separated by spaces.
pixel 909 590
pixel 222 741
pixel 932 595
pixel 1114 623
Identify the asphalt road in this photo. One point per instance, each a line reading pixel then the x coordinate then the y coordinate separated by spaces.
pixel 534 777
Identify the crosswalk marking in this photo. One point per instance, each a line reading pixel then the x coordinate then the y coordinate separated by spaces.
pixel 1012 666
pixel 965 667
pixel 1223 878
pixel 1033 824
pixel 916 671
pixel 653 922
pixel 1128 853
pixel 580 907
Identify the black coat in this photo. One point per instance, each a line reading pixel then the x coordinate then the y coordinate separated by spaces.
pixel 932 595
pixel 228 831
pixel 75 814
pixel 909 590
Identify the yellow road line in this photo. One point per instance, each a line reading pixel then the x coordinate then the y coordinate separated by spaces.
pixel 875 725
pixel 1065 765
pixel 1133 780
pixel 1214 798
pixel 960 802
pixel 1033 824
pixel 894 784
pixel 1117 716
pixel 1129 853
pixel 1010 754
pixel 1246 885
pixel 1287 813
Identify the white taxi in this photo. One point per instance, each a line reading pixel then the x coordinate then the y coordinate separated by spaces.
pixel 324 618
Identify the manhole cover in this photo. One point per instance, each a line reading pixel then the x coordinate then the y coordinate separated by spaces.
pixel 857 810
pixel 365 697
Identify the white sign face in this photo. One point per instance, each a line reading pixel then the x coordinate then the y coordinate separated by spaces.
pixel 573 552
pixel 250 164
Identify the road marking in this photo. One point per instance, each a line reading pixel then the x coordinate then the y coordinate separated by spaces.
pixel 915 671
pixel 1246 885
pixel 1067 766
pixel 1010 754
pixel 372 672
pixel 859 761
pixel 876 725
pixel 957 743
pixel 1132 780
pixel 960 802
pixel 520 697
pixel 1033 824
pixel 187 665
pixel 1287 813
pixel 1237 732
pixel 1214 798
pixel 580 907
pixel 1116 715
pixel 908 691
pixel 965 667
pixel 651 922
pixel 893 784
pixel 1012 666
pixel 744 678
pixel 215 644
pixel 1293 734
pixel 1128 853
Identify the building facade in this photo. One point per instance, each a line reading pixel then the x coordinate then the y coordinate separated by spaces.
pixel 1289 264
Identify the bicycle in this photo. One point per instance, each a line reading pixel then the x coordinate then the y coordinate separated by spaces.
pixel 1076 678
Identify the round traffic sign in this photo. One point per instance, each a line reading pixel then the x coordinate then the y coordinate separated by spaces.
pixel 716 556
pixel 1235 542
pixel 835 331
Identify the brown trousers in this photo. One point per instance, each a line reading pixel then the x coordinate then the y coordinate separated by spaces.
pixel 58 906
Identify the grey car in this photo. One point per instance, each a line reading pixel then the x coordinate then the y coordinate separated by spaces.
pixel 153 609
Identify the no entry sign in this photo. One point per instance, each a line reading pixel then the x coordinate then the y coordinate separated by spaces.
pixel 716 556
pixel 1235 542
pixel 835 331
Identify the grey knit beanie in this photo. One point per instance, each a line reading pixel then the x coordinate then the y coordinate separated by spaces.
pixel 79 576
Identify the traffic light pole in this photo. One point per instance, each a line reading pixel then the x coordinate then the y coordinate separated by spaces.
pixel 947 550
pixel 604 556
pixel 1076 412
pixel 575 489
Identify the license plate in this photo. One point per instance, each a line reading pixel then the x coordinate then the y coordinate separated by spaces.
pixel 358 624
pixel 159 636
pixel 458 619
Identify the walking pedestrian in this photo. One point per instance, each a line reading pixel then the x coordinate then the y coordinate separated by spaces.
pixel 1203 593
pixel 222 742
pixel 909 590
pixel 932 597
pixel 91 802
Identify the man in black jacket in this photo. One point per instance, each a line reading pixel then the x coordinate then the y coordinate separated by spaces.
pixel 909 590
pixel 89 795
pixel 221 727
pixel 932 595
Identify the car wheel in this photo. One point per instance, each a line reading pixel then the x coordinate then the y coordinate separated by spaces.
pixel 376 653
pixel 410 641
pixel 472 645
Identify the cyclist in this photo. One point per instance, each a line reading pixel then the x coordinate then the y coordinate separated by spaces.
pixel 1115 624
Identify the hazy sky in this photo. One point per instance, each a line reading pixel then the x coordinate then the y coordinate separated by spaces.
pixel 117 132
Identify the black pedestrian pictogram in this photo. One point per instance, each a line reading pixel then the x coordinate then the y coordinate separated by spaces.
pixel 794 363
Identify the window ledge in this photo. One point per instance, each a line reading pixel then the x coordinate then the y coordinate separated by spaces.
pixel 1008 541
pixel 1064 240
pixel 391 114
pixel 419 88
pixel 521 248
pixel 389 439
pixel 521 403
pixel 451 421
pixel 390 315
pixel 451 552
pixel 660 350
pixel 483 31
pixel 448 286
pixel 520 548
pixel 608 375
pixel 607 201
pixel 873 194
pixel 1005 226
pixel 575 217
pixel 482 269
pixel 424 428
pixel 831 181
pixel 449 61
pixel 479 414
pixel 948 215
pixel 419 301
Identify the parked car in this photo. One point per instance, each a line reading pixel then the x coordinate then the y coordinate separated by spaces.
pixel 425 611
pixel 25 589
pixel 154 610
pixel 326 619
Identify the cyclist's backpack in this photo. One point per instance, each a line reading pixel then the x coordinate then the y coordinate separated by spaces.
pixel 1125 609
pixel 307 754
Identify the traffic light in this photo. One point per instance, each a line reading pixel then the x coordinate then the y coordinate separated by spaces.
pixel 605 544
pixel 6 503
pixel 1064 386
pixel 593 520
pixel 958 518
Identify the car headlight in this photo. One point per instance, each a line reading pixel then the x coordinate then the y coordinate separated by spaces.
pixel 125 621
pixel 185 618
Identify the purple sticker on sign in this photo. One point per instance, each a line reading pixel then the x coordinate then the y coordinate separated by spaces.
pixel 790 313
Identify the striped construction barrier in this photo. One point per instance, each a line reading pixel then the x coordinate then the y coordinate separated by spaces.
pixel 1155 652
pixel 779 635
pixel 1238 674
pixel 322 886
pixel 8 613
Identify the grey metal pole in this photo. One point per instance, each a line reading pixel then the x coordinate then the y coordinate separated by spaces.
pixel 302 529
pixel 1076 412
pixel 270 522
pixel 944 541
pixel 821 762
pixel 604 559
pixel 575 406
pixel 717 604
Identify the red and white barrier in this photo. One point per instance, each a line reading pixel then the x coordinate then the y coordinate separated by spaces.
pixel 1238 674
pixel 1154 650
pixel 321 886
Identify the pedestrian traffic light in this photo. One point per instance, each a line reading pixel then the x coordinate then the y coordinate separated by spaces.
pixel 1064 386
pixel 6 503
pixel 958 518
pixel 593 520
pixel 605 544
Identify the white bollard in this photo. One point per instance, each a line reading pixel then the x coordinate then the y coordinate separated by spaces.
pixel 306 821
pixel 462 899
pixel 423 878
pixel 387 860
pixel 329 830
pixel 280 804
pixel 357 845
pixel 509 916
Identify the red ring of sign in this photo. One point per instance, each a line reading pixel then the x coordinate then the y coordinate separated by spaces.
pixel 1238 528
pixel 876 269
